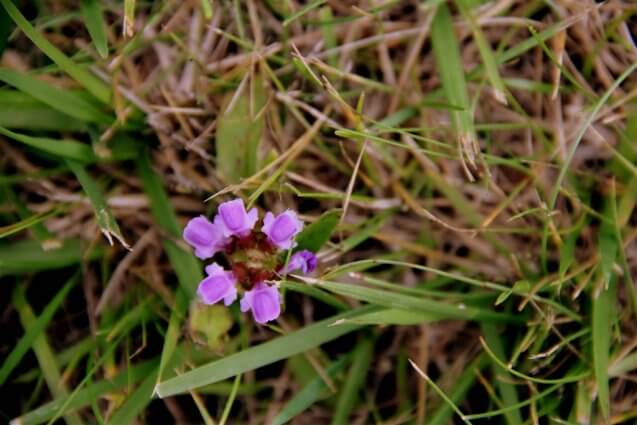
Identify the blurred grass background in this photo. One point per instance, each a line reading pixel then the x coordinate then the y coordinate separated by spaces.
pixel 468 168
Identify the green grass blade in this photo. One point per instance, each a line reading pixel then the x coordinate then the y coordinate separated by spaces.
pixel 19 110
pixel 239 134
pixel 308 8
pixel 269 352
pixel 26 223
pixel 92 12
pixel 29 257
pixel 6 27
pixel 436 308
pixel 65 149
pixel 135 402
pixel 349 394
pixel 314 236
pixel 95 86
pixel 64 101
pixel 312 392
pixel 33 331
pixel 105 220
pixel 449 64
pixel 43 353
pixel 86 395
pixel 502 379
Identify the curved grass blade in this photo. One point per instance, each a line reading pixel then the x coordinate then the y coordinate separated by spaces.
pixel 105 220
pixel 33 331
pixel 269 352
pixel 29 257
pixel 66 149
pixel 92 12
pixel 94 85
pixel 64 101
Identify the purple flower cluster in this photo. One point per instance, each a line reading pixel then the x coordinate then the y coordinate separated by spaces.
pixel 255 257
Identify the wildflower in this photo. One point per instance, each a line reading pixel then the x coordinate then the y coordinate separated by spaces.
pixel 233 218
pixel 303 260
pixel 205 237
pixel 282 229
pixel 254 257
pixel 264 301
pixel 218 285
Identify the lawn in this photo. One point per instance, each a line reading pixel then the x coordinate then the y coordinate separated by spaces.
pixel 318 212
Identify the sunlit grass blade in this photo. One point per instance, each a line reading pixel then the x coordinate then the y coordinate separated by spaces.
pixel 94 85
pixel 269 352
pixel 105 220
pixel 29 257
pixel 43 352
pixel 61 100
pixel 67 149
pixel 312 392
pixel 349 393
pixel 92 12
pixel 32 332
pixel 449 64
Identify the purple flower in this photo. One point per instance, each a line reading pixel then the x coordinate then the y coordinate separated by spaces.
pixel 205 237
pixel 233 218
pixel 264 301
pixel 219 285
pixel 303 260
pixel 282 228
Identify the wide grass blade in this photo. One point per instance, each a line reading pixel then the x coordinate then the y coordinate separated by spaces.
pixel 95 86
pixel 66 149
pixel 449 64
pixel 33 331
pixel 61 100
pixel 105 220
pixel 19 110
pixel 269 352
pixel 29 257
pixel 92 12
pixel 314 236
pixel 239 133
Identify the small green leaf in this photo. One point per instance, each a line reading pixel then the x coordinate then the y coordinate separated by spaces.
pixel 239 134
pixel 209 325
pixel 92 12
pixel 314 236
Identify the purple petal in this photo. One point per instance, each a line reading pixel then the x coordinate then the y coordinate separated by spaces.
pixel 218 285
pixel 282 229
pixel 233 219
pixel 303 260
pixel 264 301
pixel 205 237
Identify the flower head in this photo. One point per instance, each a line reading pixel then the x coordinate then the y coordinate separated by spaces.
pixel 282 229
pixel 206 237
pixel 218 285
pixel 233 218
pixel 264 301
pixel 303 260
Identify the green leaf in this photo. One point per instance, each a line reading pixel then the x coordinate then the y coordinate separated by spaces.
pixel 439 309
pixel 92 12
pixel 66 149
pixel 86 395
pixel 33 331
pixel 19 110
pixel 105 220
pixel 94 85
pixel 312 392
pixel 451 72
pixel 269 352
pixel 29 257
pixel 349 394
pixel 209 325
pixel 239 134
pixel 314 236
pixel 61 100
